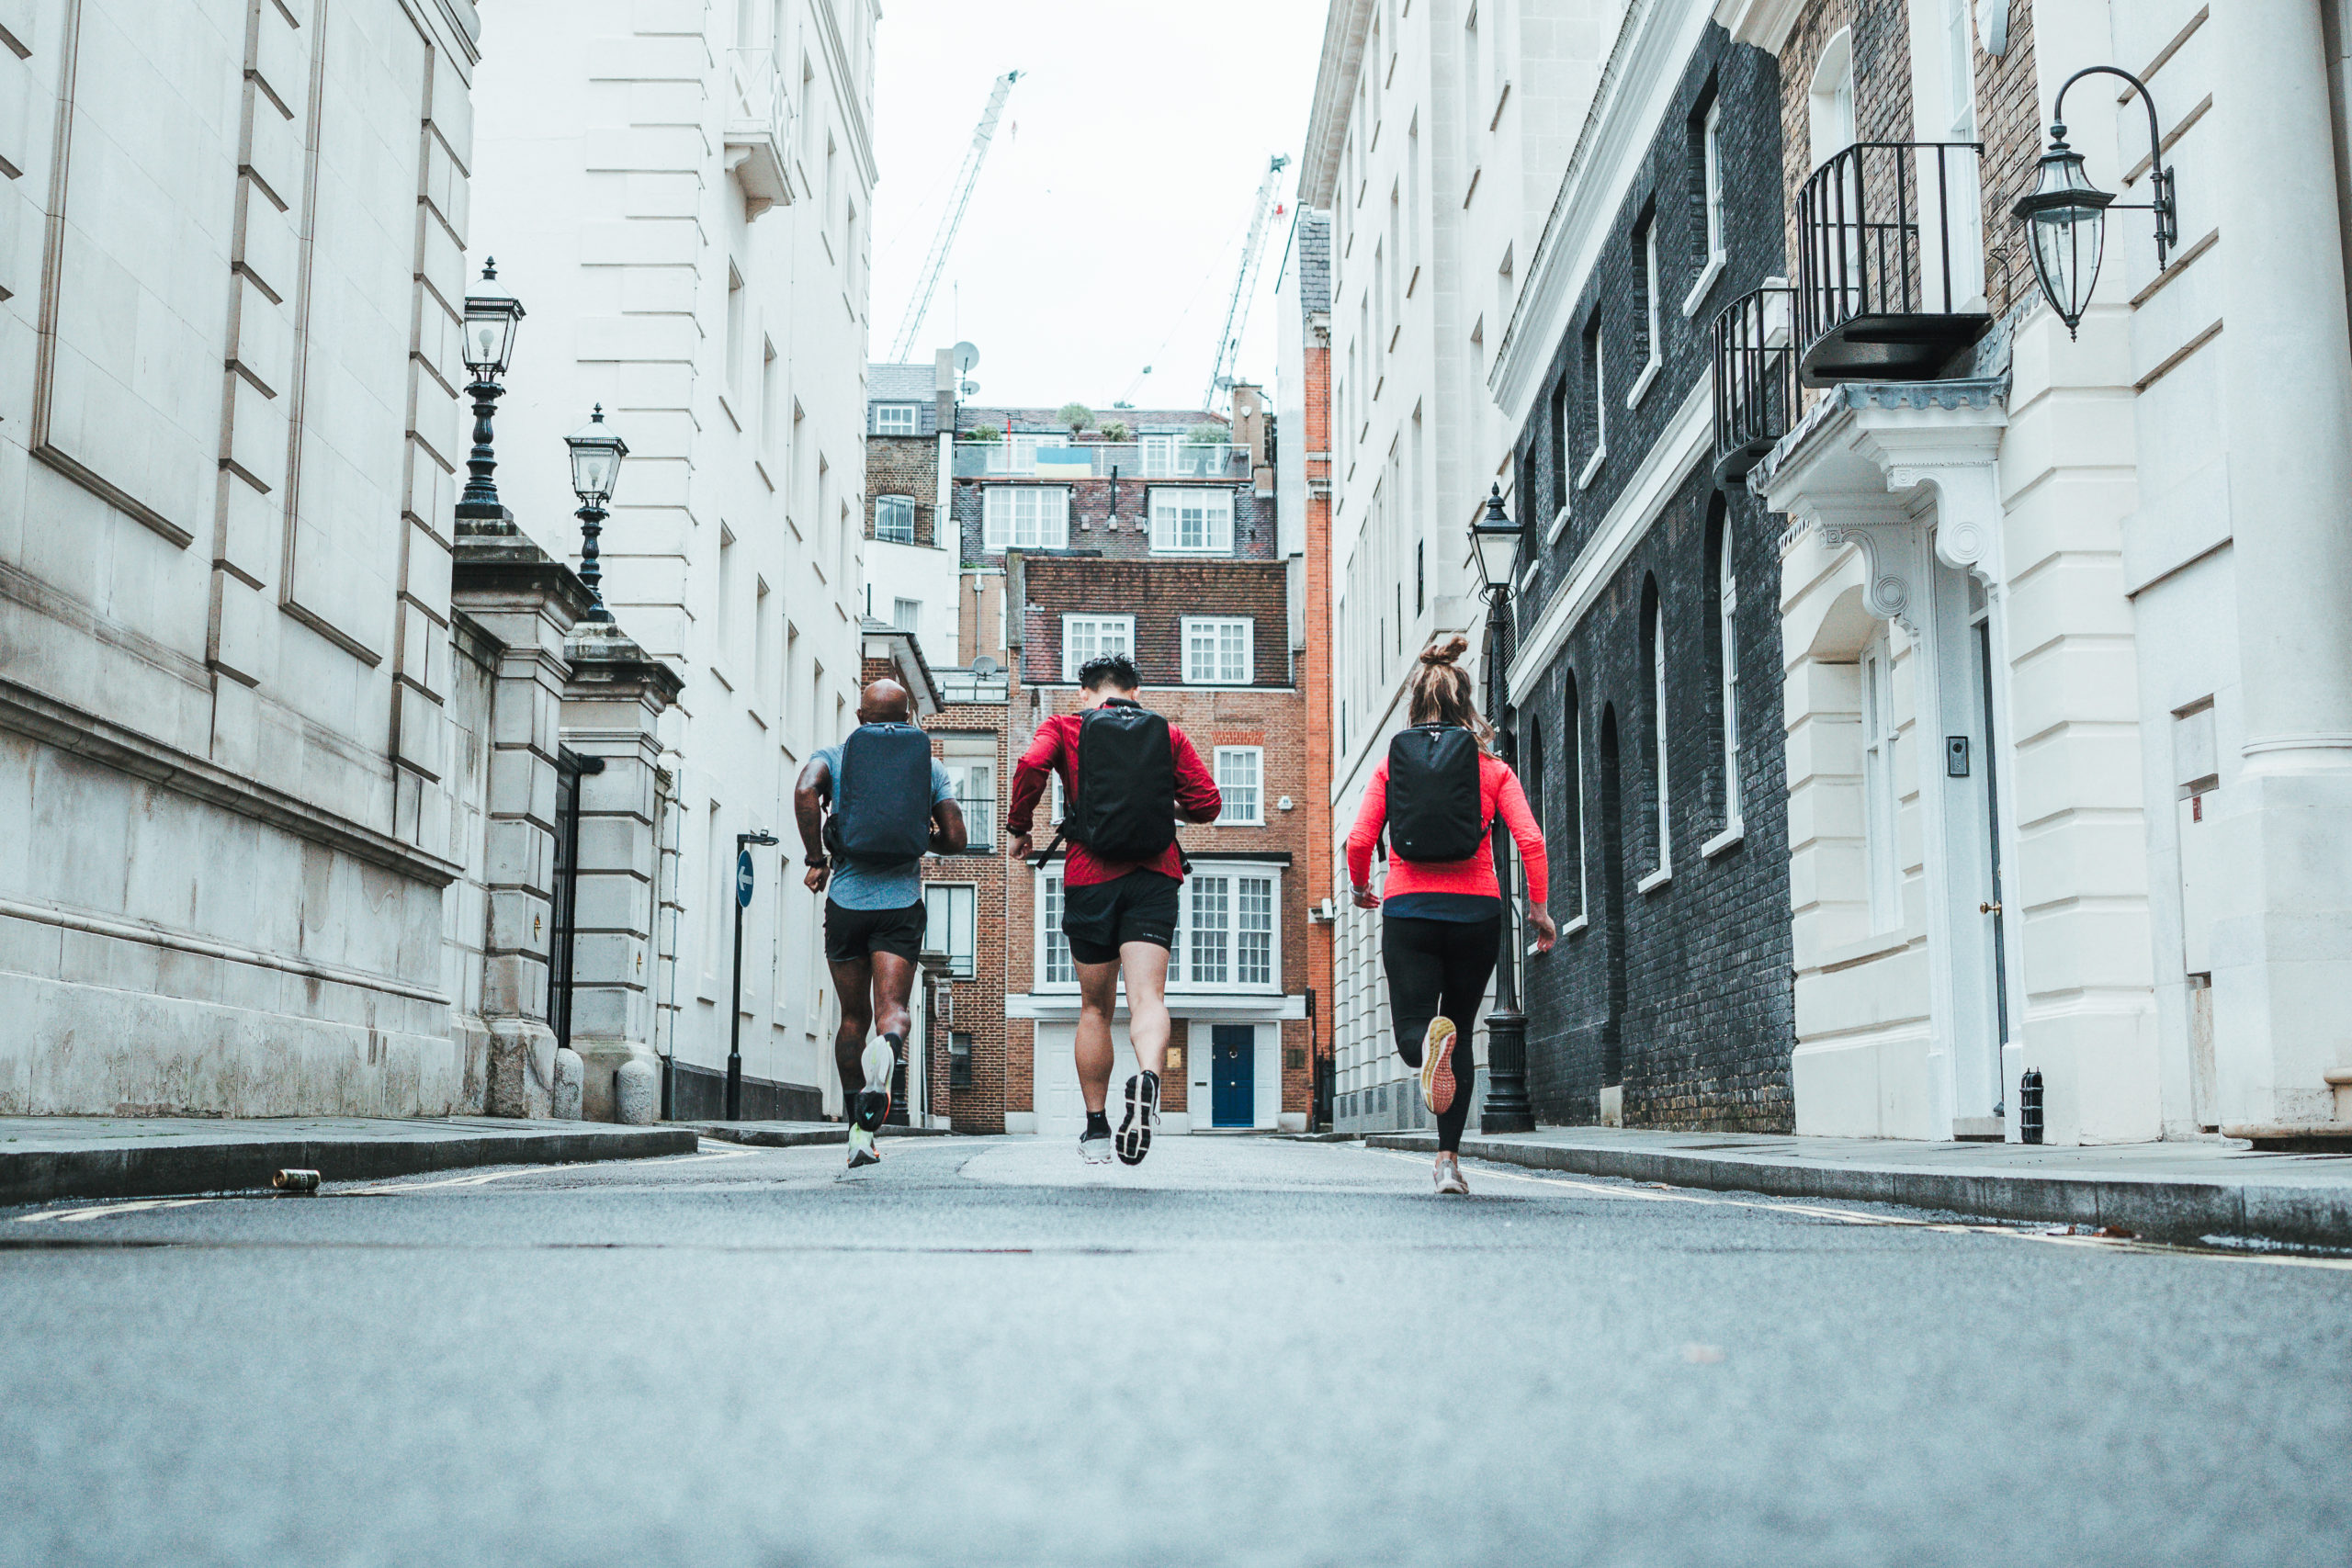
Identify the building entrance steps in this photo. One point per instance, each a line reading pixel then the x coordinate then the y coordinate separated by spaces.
pixel 43 1157
pixel 2165 1192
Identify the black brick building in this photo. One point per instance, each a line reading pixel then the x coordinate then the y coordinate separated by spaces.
pixel 1672 976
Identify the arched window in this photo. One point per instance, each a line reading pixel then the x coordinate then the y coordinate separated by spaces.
pixel 1530 776
pixel 1654 634
pixel 1568 855
pixel 1723 584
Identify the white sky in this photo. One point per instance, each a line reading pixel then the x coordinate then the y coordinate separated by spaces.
pixel 1107 230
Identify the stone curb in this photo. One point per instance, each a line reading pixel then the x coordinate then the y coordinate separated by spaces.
pixel 768 1136
pixel 36 1175
pixel 2159 1208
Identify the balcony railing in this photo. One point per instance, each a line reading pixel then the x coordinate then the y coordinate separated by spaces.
pixel 967 686
pixel 757 131
pixel 1095 459
pixel 979 823
pixel 1890 262
pixel 1756 379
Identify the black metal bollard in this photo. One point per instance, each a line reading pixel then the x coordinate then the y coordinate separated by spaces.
pixel 2030 1107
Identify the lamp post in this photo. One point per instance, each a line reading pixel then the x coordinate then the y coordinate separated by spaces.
pixel 2065 215
pixel 596 454
pixel 1496 539
pixel 735 1004
pixel 489 349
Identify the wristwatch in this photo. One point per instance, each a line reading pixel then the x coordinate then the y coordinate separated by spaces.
pixel 816 863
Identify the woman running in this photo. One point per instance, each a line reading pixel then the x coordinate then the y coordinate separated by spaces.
pixel 1441 919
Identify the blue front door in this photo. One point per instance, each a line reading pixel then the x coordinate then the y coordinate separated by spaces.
pixel 1233 1076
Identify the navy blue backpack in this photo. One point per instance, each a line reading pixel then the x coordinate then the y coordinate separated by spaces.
pixel 882 796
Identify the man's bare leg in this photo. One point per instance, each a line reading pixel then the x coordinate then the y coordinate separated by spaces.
pixel 1145 965
pixel 1098 997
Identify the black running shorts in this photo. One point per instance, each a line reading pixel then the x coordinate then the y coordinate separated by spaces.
pixel 851 934
pixel 1138 906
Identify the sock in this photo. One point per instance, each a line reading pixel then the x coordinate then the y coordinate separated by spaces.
pixel 1098 1122
pixel 1153 1079
pixel 898 1044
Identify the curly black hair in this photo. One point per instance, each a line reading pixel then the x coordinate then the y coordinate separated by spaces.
pixel 1114 669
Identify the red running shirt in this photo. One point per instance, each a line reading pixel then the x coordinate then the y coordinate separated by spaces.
pixel 1055 750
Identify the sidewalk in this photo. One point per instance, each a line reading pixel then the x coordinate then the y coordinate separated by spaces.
pixel 123 1156
pixel 792 1134
pixel 2164 1192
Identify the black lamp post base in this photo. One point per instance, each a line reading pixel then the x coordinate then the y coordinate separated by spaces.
pixel 1507 1108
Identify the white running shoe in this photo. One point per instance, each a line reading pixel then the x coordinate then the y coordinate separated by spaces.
pixel 1437 1066
pixel 1143 1115
pixel 881 1064
pixel 1449 1177
pixel 1094 1148
pixel 861 1148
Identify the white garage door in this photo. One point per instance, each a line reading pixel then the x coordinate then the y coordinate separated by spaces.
pixel 1061 1110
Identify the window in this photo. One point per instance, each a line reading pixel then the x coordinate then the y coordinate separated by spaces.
pixel 907 615
pixel 1227 932
pixel 1563 466
pixel 770 395
pixel 1727 673
pixel 1239 771
pixel 1878 784
pixel 1084 637
pixel 1658 730
pixel 1026 517
pixel 723 624
pixel 1054 964
pixel 1596 403
pixel 1159 456
pixel 894 419
pixel 950 917
pixel 1713 142
pixel 1649 339
pixel 734 344
pixel 894 519
pixel 974 784
pixel 1217 650
pixel 1192 519
pixel 1571 835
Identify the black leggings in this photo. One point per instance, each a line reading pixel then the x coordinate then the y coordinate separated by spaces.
pixel 1439 966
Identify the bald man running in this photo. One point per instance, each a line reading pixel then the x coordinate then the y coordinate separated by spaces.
pixel 874 913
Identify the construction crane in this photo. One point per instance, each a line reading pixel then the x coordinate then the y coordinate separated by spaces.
pixel 953 218
pixel 1236 310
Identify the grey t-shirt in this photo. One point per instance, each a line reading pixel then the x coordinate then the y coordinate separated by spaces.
pixel 860 884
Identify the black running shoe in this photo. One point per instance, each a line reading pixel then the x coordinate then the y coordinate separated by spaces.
pixel 1133 1139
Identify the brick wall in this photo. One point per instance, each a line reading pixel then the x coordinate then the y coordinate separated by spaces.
pixel 1683 992
pixel 1160 595
pixel 904 465
pixel 1099 530
pixel 2008 121
pixel 977 1005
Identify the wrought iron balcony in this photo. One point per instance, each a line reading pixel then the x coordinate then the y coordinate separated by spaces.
pixel 1756 379
pixel 1890 262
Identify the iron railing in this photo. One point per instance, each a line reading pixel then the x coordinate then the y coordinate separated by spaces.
pixel 1888 230
pixel 1756 378
pixel 979 823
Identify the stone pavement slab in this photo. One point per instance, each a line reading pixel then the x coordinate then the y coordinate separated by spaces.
pixel 792 1134
pixel 122 1157
pixel 2169 1192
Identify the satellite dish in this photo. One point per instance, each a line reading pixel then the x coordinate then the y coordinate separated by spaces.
pixel 965 358
pixel 971 389
pixel 983 666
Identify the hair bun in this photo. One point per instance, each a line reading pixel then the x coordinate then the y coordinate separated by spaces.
pixel 1445 652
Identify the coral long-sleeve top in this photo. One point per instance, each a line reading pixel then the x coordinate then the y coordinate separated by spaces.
pixel 1499 792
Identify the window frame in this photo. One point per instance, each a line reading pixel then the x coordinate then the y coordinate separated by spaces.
pixel 1660 734
pixel 980 827
pixel 1216 505
pixel 939 941
pixel 1881 806
pixel 1256 786
pixel 1192 672
pixel 1229 877
pixel 1071 664
pixel 881 503
pixel 885 425
pixel 1051 955
pixel 999 521
pixel 1727 676
pixel 1596 345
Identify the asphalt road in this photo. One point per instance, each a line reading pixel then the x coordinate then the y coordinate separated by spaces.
pixel 1247 1351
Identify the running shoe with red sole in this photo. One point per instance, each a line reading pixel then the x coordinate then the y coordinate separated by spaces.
pixel 1437 1066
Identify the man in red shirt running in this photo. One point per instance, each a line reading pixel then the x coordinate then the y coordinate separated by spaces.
pixel 1120 917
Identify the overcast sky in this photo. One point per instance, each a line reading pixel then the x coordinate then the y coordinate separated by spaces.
pixel 1107 227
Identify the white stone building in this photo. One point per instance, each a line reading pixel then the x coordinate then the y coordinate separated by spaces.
pixel 1438 136
pixel 679 193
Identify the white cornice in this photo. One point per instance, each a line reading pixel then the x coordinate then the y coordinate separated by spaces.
pixel 1764 23
pixel 1344 29
pixel 1688 439
pixel 1636 89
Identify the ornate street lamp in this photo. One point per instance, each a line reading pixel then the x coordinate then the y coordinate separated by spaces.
pixel 489 348
pixel 2065 215
pixel 597 453
pixel 1496 538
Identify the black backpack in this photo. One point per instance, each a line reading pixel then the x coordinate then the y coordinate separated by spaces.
pixel 882 796
pixel 1433 797
pixel 1126 808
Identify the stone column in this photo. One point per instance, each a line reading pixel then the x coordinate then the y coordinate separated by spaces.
pixel 514 592
pixel 611 705
pixel 2282 961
